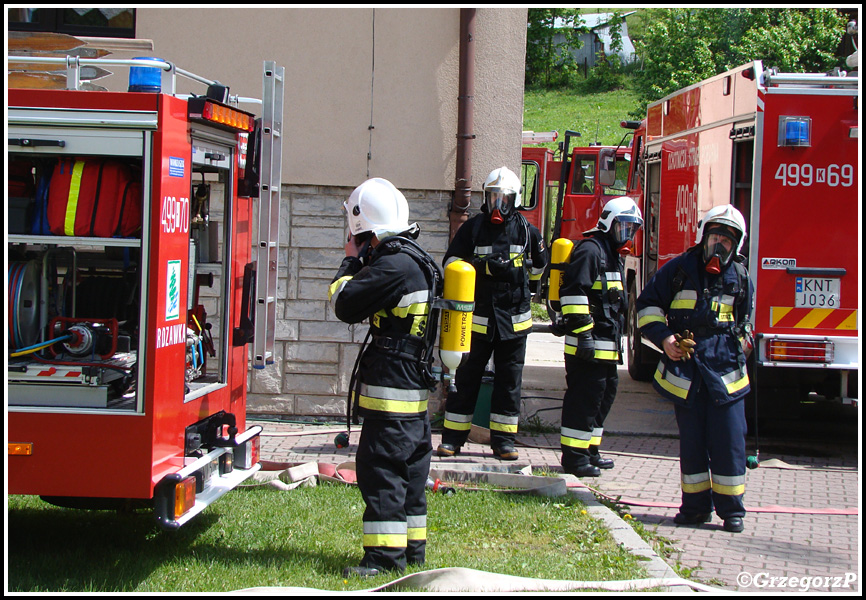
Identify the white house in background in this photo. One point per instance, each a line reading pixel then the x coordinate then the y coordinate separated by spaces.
pixel 598 38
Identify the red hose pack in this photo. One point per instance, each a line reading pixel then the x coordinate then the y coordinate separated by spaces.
pixel 94 197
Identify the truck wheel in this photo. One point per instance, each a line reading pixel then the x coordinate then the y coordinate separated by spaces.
pixel 642 360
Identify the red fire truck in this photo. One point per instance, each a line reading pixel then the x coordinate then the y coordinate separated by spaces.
pixel 563 195
pixel 137 280
pixel 783 149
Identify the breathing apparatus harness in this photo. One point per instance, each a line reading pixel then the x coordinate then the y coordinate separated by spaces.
pixel 410 348
pixel 501 264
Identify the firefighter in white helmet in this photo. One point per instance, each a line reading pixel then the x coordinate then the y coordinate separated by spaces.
pixel 509 258
pixel 387 278
pixel 593 306
pixel 696 308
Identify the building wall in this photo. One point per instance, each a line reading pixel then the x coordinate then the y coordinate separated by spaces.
pixel 345 69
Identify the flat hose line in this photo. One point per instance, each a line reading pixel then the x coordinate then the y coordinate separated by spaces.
pixel 772 463
pixel 461 579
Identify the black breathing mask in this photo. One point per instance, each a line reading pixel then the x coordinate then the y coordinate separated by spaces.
pixel 716 254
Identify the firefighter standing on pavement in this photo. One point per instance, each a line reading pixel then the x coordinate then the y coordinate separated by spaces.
pixel 509 257
pixel 696 308
pixel 387 278
pixel 593 306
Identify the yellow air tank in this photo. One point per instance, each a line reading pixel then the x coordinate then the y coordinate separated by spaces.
pixel 560 253
pixel 455 334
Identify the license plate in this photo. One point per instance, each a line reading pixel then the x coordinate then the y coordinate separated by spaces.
pixel 817 292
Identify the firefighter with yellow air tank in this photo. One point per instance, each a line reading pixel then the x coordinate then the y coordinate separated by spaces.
pixel 509 257
pixel 589 310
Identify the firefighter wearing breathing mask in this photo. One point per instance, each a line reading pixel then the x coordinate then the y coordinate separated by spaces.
pixel 509 257
pixel 387 278
pixel 696 308
pixel 593 308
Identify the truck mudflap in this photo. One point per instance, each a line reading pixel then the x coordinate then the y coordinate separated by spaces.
pixel 182 495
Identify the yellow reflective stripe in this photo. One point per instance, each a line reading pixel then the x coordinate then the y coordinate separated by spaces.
pixel 457 422
pixel 574 438
pixel 393 400
pixel 729 485
pixel 694 488
pixel 335 288
pixel 416 527
pixel 573 443
pixel 725 309
pixel 575 309
pixel 420 308
pixel 650 314
pixel 503 427
pixel 685 300
pixel 679 391
pixel 380 540
pixel 72 200
pixel 729 490
pixel 736 380
pixel 523 325
pixel 503 423
pixel 697 482
pixel 479 323
pixel 392 406
pixel 606 355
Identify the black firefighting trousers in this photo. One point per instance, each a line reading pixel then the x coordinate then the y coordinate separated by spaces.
pixel 392 464
pixel 508 359
pixel 589 395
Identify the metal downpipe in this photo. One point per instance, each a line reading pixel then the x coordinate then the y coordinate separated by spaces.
pixel 462 198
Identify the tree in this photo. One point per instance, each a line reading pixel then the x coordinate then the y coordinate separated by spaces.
pixel 550 64
pixel 684 46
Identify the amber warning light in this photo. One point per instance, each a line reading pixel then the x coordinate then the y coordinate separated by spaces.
pixel 25 449
pixel 212 112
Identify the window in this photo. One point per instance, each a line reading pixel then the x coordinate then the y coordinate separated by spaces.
pixel 583 180
pixel 529 174
pixel 97 22
pixel 619 186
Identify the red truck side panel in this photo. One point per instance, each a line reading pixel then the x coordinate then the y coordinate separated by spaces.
pixel 808 214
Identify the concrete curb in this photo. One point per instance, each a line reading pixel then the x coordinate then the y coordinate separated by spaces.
pixel 626 536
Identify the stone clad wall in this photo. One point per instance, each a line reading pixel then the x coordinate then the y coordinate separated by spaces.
pixel 314 351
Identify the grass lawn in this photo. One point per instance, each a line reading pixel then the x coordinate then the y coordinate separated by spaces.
pixel 595 116
pixel 259 536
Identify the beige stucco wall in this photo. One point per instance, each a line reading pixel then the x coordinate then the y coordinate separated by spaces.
pixel 332 81
pixel 340 64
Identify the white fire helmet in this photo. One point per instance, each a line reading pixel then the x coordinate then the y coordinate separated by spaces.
pixel 720 220
pixel 621 218
pixel 378 207
pixel 501 193
pixel 726 215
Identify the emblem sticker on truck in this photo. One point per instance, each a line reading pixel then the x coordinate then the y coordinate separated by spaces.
pixel 778 263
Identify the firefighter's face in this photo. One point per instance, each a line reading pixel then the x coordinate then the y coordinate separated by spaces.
pixel 720 242
pixel 499 205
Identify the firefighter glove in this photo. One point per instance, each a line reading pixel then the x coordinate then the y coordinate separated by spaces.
pixel 686 343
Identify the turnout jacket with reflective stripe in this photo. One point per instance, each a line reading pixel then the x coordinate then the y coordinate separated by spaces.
pixel 707 306
pixel 592 298
pixel 507 271
pixel 394 293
